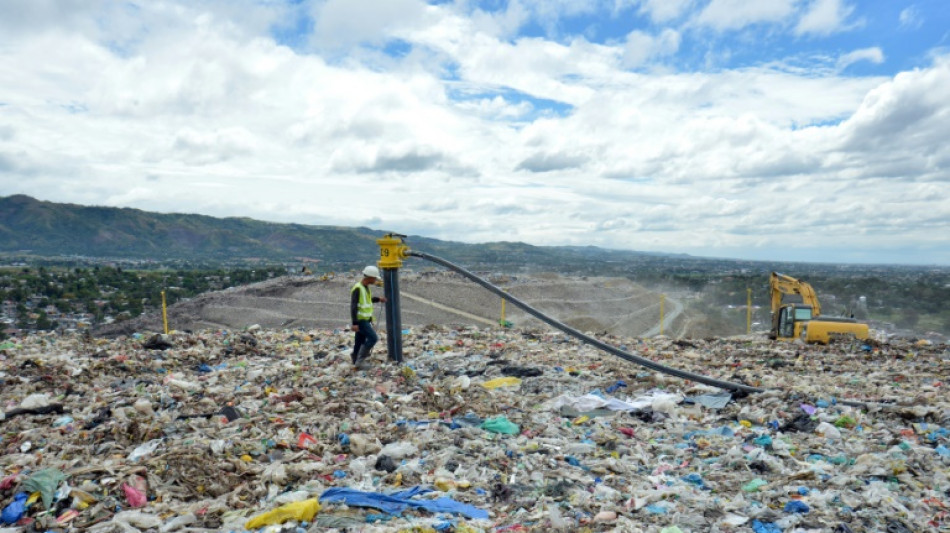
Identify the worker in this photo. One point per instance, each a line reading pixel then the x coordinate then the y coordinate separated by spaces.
pixel 361 316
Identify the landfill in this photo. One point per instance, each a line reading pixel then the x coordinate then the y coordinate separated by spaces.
pixel 479 429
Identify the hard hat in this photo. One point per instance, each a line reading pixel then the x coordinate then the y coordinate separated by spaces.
pixel 371 272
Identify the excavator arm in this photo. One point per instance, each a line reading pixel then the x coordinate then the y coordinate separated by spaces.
pixel 782 284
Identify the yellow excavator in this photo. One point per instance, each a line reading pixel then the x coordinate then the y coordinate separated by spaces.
pixel 792 321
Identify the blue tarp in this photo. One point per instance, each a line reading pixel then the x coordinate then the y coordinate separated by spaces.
pixel 398 502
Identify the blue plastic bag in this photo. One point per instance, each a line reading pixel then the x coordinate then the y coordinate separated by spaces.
pixel 13 512
pixel 765 527
pixel 796 506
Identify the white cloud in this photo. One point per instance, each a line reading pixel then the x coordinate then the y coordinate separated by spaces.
pixel 661 11
pixel 341 24
pixel 824 17
pixel 904 120
pixel 874 55
pixel 641 47
pixel 736 14
pixel 205 113
pixel 504 24
pixel 910 18
pixel 548 13
pixel 33 16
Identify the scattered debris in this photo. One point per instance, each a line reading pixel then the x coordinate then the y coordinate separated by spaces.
pixel 240 430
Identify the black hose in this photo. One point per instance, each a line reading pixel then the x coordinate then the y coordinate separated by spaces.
pixel 728 385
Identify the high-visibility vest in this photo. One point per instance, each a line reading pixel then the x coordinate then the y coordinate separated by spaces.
pixel 365 309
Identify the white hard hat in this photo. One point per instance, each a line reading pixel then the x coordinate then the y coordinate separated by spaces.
pixel 371 272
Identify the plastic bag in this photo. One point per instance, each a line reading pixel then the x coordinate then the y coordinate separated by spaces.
pixel 45 482
pixel 502 425
pixel 300 511
pixel 135 490
pixel 501 382
pixel 399 450
pixel 828 430
pixel 363 445
pixel 144 450
pixel 765 527
pixel 14 512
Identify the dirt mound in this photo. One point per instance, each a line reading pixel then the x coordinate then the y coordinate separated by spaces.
pixel 606 305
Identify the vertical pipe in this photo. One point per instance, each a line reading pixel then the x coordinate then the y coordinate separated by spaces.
pixel 393 319
pixel 662 302
pixel 748 311
pixel 164 313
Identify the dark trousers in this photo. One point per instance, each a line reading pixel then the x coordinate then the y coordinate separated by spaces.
pixel 366 335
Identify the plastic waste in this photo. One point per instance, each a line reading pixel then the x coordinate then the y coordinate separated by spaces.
pixel 45 482
pixel 63 421
pixel 398 502
pixel 137 519
pixel 828 431
pixel 501 382
pixel 398 450
pixel 755 454
pixel 796 506
pixel 385 463
pixel 362 445
pixel 134 497
pixel 35 401
pixel 765 527
pixel 14 511
pixel 144 450
pixel 306 440
pixel 557 519
pixel 299 511
pixel 178 522
pixel 500 424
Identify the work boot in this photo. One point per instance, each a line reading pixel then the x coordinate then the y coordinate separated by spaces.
pixel 363 356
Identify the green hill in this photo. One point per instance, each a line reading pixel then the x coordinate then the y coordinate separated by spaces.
pixel 47 229
pixel 42 228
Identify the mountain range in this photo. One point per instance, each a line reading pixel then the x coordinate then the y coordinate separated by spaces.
pixel 39 228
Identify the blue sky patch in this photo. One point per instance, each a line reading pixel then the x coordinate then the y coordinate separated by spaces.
pixel 397 48
pixel 294 33
pixel 539 107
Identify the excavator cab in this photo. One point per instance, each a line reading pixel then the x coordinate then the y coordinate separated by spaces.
pixel 791 318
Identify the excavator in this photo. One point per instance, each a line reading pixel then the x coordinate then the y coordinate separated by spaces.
pixel 792 321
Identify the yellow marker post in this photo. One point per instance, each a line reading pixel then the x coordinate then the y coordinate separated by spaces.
pixel 164 313
pixel 392 251
pixel 748 311
pixel 662 305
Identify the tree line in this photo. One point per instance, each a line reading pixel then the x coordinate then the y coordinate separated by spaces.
pixel 36 293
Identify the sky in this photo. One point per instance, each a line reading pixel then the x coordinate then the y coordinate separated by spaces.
pixel 791 130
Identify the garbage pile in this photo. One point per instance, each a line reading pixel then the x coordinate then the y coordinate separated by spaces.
pixel 486 430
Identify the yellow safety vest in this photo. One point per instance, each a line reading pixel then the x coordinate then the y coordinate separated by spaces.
pixel 365 309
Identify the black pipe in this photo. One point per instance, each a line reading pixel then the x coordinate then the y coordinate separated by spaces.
pixel 587 338
pixel 393 320
pixel 727 385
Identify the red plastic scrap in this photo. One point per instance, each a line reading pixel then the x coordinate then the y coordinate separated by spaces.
pixel 305 440
pixel 8 482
